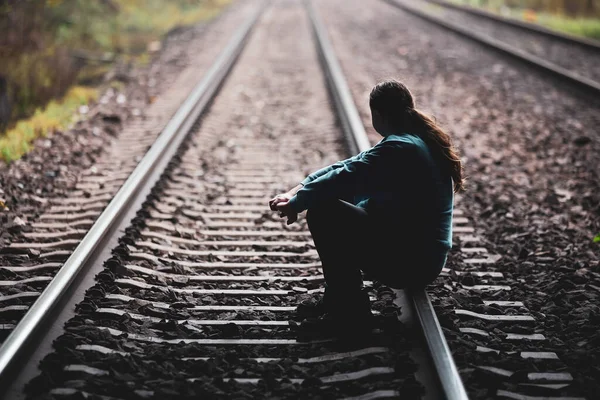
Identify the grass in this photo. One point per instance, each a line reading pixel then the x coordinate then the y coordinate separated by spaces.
pixel 57 115
pixel 134 24
pixel 587 27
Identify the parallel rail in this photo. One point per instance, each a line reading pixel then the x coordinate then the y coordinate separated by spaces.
pixel 581 82
pixel 446 371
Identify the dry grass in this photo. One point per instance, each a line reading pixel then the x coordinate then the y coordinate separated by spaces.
pixel 57 115
pixel 550 17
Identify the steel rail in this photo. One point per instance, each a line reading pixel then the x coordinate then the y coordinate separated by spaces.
pixel 153 162
pixel 351 123
pixel 559 72
pixel 446 370
pixel 570 39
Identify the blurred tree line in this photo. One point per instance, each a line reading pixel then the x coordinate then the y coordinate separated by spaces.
pixel 570 8
pixel 45 44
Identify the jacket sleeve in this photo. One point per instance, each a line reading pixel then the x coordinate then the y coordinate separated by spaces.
pixel 325 170
pixel 354 177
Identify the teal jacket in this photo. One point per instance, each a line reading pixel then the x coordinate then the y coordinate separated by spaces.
pixel 398 182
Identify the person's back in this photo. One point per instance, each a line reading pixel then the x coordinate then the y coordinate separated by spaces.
pixel 412 196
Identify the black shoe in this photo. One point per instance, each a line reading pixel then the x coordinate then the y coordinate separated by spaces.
pixel 311 308
pixel 346 306
pixel 340 327
pixel 314 328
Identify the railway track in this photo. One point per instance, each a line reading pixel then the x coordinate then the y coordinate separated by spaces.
pixel 574 61
pixel 204 280
pixel 526 26
pixel 30 262
pixel 195 295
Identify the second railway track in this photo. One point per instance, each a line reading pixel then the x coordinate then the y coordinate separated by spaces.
pixel 564 59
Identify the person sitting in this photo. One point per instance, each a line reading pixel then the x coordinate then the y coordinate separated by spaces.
pixel 386 212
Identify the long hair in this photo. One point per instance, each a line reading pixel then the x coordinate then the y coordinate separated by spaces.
pixel 392 100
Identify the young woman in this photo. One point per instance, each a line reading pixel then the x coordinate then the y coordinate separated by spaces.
pixel 386 212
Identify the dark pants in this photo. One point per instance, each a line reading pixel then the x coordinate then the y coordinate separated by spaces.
pixel 349 241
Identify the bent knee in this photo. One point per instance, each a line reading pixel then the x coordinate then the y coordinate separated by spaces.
pixel 410 272
pixel 320 211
